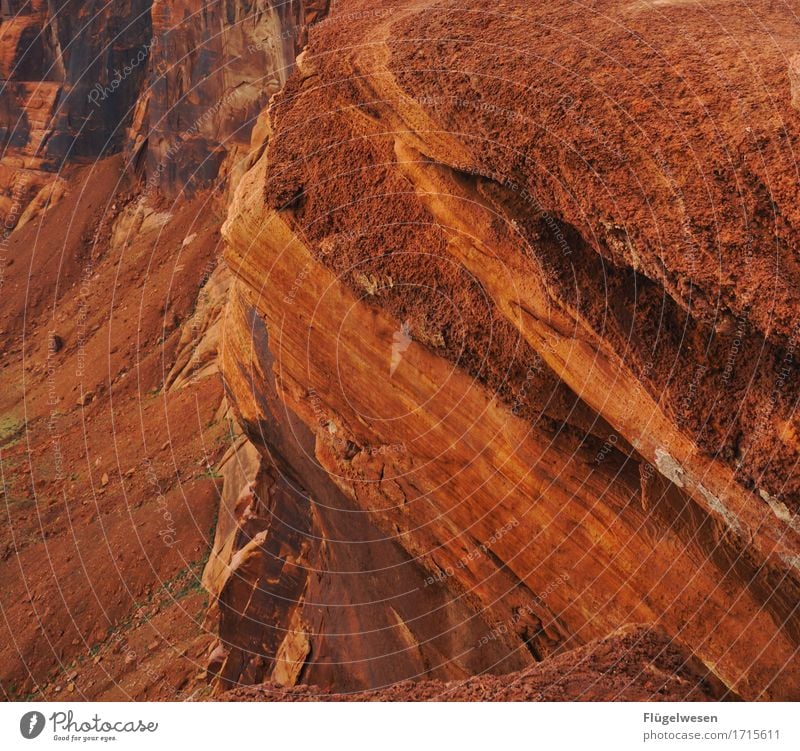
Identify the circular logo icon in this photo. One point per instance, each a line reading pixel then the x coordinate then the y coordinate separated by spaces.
pixel 31 724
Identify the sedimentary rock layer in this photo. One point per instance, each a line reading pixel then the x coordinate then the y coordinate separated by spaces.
pixel 213 68
pixel 527 274
pixel 306 586
pixel 508 331
pixel 176 85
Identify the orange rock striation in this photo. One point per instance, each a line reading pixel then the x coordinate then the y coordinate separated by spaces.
pixel 528 276
pixel 501 358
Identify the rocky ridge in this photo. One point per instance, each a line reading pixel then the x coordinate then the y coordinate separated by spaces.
pixel 623 405
pixel 505 329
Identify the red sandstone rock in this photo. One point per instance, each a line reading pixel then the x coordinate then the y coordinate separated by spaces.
pixel 625 404
pixel 632 664
pixel 506 328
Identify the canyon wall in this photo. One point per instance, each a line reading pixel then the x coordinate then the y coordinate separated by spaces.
pixel 535 334
pixel 71 72
pixel 213 68
pixel 176 86
pixel 308 588
pixel 112 298
pixel 498 374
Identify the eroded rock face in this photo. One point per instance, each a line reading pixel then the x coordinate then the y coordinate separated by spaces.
pixel 632 664
pixel 176 85
pixel 307 587
pixel 508 339
pixel 539 309
pixel 72 70
pixel 212 71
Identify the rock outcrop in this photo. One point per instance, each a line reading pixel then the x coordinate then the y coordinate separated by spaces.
pixel 536 333
pixel 499 361
pixel 632 664
pixel 99 330
pixel 306 585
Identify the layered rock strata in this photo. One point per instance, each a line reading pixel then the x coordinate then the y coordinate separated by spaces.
pixel 213 69
pixel 528 276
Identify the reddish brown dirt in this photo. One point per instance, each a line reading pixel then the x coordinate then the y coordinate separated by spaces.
pixel 108 506
pixel 666 161
pixel 637 664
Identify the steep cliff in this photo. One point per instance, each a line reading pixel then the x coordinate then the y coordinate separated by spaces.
pixel 177 86
pixel 71 71
pixel 497 377
pixel 114 429
pixel 537 300
pixel 213 69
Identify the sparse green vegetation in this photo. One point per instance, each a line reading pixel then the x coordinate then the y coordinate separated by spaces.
pixel 10 430
pixel 210 472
